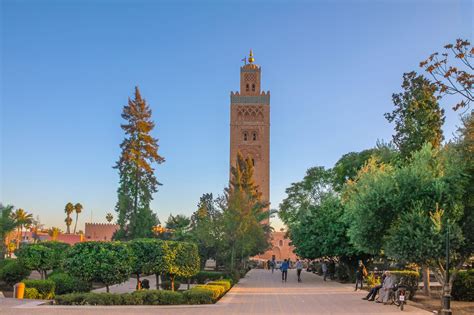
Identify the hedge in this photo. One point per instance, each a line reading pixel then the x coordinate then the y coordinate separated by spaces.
pixel 145 297
pixel 31 293
pixel 45 288
pixel 65 283
pixel 198 296
pixel 217 290
pixel 225 283
pixel 463 286
pixel 12 271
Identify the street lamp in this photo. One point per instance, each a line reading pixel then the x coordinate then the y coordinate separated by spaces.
pixel 446 296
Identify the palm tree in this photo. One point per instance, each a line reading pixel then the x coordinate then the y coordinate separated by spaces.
pixel 7 224
pixel 54 232
pixel 78 208
pixel 23 219
pixel 109 217
pixel 68 209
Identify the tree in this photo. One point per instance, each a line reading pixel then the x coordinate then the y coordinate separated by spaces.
pixel 78 208
pixel 147 255
pixel 109 217
pixel 457 78
pixel 7 225
pixel 245 231
pixel 178 228
pixel 59 252
pixel 23 220
pixel 417 116
pixel 36 257
pixel 106 262
pixel 135 166
pixel 68 209
pixel 180 259
pixel 206 229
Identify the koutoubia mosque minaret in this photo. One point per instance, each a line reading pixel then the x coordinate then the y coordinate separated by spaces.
pixel 250 124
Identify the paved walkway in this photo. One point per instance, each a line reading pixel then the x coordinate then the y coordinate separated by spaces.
pixel 261 292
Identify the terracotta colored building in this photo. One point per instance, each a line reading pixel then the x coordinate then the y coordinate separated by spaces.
pixel 100 231
pixel 281 248
pixel 250 124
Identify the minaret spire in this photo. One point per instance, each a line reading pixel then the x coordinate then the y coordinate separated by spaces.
pixel 251 58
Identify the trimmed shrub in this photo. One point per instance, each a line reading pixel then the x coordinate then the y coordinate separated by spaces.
pixel 65 283
pixel 59 251
pixel 45 288
pixel 198 296
pixel 342 274
pixel 13 271
pixel 410 279
pixel 225 283
pixel 166 285
pixel 70 299
pixel 463 286
pixel 217 290
pixel 152 297
pixel 203 276
pixel 31 293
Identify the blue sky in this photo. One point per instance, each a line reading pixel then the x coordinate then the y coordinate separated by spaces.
pixel 68 67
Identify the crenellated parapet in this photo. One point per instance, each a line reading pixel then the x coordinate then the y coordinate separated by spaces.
pixel 100 231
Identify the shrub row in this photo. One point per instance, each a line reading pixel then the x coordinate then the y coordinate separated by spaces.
pixel 409 278
pixel 146 297
pixel 65 283
pixel 44 288
pixel 217 288
pixel 463 286
pixel 203 276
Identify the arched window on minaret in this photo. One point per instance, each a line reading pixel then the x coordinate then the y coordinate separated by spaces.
pixel 245 136
pixel 247 88
pixel 253 162
pixel 254 136
pixel 253 87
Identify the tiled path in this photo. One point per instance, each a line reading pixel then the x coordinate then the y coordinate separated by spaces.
pixel 261 292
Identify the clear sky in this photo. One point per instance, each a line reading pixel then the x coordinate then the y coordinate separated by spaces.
pixel 69 66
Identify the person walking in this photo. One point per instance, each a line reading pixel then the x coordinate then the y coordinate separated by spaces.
pixel 284 270
pixel 299 268
pixel 324 267
pixel 360 274
pixel 332 269
pixel 273 263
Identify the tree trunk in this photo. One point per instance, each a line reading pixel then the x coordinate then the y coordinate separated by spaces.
pixel 232 258
pixel 75 223
pixel 138 281
pixel 426 280
pixel 172 282
pixel 189 283
pixel 107 288
pixel 157 276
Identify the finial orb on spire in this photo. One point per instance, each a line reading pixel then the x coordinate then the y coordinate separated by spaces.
pixel 251 58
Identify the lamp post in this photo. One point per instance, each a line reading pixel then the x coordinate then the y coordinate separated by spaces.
pixel 446 296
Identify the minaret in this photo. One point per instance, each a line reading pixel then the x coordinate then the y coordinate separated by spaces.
pixel 250 124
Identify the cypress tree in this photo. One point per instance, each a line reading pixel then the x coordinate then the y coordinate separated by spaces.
pixel 137 179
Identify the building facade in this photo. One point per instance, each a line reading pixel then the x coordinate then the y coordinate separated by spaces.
pixel 100 231
pixel 250 125
pixel 281 248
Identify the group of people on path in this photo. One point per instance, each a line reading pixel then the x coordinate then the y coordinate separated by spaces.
pixel 383 290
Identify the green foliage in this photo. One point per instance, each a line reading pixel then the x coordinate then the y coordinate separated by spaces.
pixel 217 290
pixel 463 286
pixel 106 262
pixel 59 251
pixel 137 179
pixel 7 225
pixel 148 256
pixel 66 283
pixel 227 284
pixel 178 228
pixel 417 115
pixel 36 257
pixel 180 259
pixel 198 296
pixel 31 293
pixel 45 288
pixel 148 297
pixel 12 271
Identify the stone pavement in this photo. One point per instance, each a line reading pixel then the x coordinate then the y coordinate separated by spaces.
pixel 261 292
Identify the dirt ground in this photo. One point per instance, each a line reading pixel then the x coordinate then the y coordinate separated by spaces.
pixel 434 304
